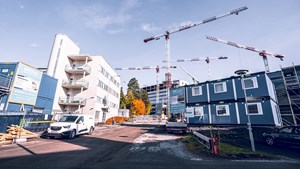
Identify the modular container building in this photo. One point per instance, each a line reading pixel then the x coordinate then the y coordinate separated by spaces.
pixel 222 102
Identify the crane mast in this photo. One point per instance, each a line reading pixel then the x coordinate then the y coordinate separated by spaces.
pixel 181 28
pixel 262 53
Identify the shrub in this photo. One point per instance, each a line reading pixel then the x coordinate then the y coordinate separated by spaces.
pixel 118 119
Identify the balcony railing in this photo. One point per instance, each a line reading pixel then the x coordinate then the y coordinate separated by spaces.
pixel 75 84
pixel 72 101
pixel 78 69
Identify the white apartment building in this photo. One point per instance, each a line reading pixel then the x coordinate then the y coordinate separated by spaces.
pixel 86 84
pixel 162 95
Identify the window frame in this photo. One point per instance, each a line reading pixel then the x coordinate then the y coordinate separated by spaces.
pixel 254 80
pixel 201 111
pixel 4 70
pixel 224 87
pixel 259 109
pixel 226 109
pixel 200 91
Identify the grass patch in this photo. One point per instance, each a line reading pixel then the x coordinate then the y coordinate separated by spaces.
pixel 227 151
pixel 231 149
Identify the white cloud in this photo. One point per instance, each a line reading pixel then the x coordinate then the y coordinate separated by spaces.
pixel 147 27
pixel 98 16
pixel 21 6
pixel 34 45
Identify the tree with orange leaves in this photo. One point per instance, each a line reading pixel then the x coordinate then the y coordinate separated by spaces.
pixel 138 107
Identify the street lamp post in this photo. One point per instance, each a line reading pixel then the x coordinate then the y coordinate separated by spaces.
pixel 242 73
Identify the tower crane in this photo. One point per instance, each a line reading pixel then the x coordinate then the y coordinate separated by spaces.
pixel 262 53
pixel 193 78
pixel 157 68
pixel 167 34
pixel 206 59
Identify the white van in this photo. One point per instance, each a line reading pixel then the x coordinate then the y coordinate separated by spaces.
pixel 71 125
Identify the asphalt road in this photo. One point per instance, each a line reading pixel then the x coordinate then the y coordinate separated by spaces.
pixel 119 147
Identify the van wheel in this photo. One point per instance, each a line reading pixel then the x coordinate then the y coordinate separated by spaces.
pixel 72 134
pixel 51 137
pixel 270 141
pixel 91 131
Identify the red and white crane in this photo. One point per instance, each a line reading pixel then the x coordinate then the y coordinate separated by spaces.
pixel 206 59
pixel 167 34
pixel 262 53
pixel 157 68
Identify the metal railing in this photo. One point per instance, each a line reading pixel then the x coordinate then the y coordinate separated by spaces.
pixel 75 83
pixel 202 139
pixel 72 101
pixel 78 68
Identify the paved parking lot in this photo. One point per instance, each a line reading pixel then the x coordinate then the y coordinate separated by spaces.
pixel 119 147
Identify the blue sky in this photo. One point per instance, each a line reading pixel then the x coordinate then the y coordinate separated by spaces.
pixel 115 29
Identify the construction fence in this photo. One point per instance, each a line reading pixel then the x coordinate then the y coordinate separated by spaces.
pixel 34 122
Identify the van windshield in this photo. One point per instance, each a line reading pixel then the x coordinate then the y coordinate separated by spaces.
pixel 68 119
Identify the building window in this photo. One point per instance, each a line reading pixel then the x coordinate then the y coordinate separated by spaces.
pixel 196 91
pixel 222 110
pixel 250 83
pixel 97 115
pixel 220 87
pixel 198 111
pixel 4 70
pixel 254 109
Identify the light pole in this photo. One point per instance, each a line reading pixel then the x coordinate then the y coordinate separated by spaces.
pixel 242 73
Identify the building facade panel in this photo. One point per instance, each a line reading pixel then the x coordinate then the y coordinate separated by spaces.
pixel 197 97
pixel 258 87
pixel 45 93
pixel 221 90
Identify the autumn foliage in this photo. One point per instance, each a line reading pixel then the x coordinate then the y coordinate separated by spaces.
pixel 138 107
pixel 118 119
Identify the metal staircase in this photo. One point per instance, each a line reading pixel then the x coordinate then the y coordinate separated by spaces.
pixel 289 102
pixel 5 84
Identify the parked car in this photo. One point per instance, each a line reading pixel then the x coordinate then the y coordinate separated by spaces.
pixel 71 125
pixel 288 134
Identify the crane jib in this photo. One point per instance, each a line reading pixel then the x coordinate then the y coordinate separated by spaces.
pixel 209 19
pixel 184 27
pixel 236 11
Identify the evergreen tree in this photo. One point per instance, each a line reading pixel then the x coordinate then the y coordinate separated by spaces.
pixel 123 100
pixel 133 85
pixel 145 98
pixel 129 99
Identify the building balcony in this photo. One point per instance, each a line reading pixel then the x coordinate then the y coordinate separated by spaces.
pixel 82 57
pixel 72 101
pixel 78 69
pixel 75 84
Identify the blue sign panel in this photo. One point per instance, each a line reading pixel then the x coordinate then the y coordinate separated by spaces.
pixel 177 100
pixel 26 85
